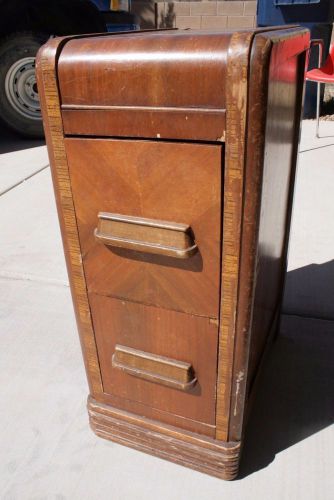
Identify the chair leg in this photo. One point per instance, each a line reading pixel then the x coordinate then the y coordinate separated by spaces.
pixel 318 108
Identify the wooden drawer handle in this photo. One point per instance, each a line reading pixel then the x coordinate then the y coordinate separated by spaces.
pixel 146 235
pixel 154 368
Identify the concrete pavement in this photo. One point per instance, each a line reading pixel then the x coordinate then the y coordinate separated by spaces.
pixel 47 450
pixel 310 279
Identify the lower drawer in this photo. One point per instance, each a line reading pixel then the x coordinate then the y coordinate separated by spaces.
pixel 164 359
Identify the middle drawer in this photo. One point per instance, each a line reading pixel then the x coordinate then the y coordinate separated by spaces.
pixel 176 183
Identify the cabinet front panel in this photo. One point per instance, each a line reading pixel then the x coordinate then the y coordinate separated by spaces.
pixel 164 359
pixel 173 260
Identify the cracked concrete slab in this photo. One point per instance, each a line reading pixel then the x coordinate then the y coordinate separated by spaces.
pixel 47 450
pixel 30 237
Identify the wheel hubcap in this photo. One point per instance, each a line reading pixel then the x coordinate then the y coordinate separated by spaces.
pixel 21 88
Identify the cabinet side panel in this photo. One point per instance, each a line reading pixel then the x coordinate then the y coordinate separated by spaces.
pixel 48 90
pixel 276 87
pixel 284 104
pixel 231 335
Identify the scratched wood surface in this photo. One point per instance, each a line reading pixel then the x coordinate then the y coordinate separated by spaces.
pixel 246 214
pixel 276 78
pixel 236 98
pixel 249 207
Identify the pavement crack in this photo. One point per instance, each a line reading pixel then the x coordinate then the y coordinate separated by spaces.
pixel 10 276
pixel 23 180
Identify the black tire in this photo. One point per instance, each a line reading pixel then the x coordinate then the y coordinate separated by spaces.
pixel 18 101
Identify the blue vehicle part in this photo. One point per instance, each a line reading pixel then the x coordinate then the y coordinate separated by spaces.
pixel 278 12
pixel 102 4
pixel 316 15
pixel 116 20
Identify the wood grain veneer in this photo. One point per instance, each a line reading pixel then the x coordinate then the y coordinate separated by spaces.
pixel 198 130
pixel 202 124
pixel 121 176
pixel 171 334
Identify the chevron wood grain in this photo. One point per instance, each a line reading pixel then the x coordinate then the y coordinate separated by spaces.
pixel 157 180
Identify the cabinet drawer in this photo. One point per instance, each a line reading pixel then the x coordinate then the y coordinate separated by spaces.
pixel 164 359
pixel 176 187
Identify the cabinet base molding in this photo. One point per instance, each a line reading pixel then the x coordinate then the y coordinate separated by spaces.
pixel 219 459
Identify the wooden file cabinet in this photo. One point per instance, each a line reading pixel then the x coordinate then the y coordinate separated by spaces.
pixel 173 157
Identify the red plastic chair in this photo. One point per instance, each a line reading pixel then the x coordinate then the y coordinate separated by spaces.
pixel 322 74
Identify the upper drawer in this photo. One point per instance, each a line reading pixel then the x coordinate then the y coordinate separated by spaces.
pixel 163 84
pixel 160 243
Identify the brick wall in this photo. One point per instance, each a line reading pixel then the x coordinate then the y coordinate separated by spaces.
pixel 200 14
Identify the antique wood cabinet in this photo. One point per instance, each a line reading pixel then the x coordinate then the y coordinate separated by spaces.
pixel 173 158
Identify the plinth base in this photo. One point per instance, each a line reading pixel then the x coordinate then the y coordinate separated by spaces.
pixel 216 458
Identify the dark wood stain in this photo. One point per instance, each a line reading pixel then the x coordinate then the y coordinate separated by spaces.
pixel 173 339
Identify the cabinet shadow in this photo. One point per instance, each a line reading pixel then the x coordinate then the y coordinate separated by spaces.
pixel 295 393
